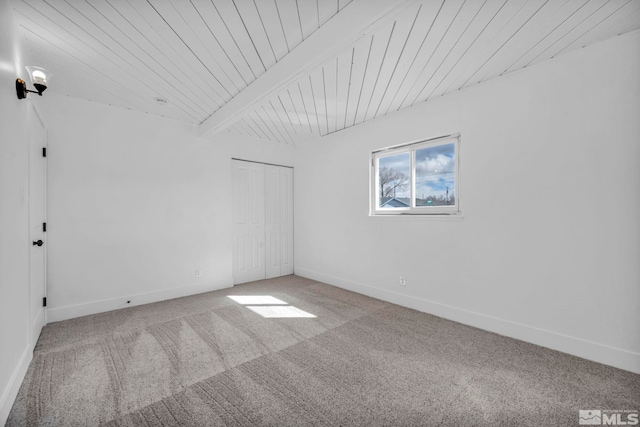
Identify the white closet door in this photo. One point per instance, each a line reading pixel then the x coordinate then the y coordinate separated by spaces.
pixel 37 217
pixel 248 221
pixel 286 221
pixel 272 219
pixel 262 221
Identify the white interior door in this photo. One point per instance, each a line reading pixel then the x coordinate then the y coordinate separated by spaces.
pixel 286 221
pixel 37 220
pixel 262 193
pixel 272 219
pixel 279 220
pixel 248 222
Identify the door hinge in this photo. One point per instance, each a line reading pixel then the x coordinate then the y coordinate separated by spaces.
pixel 44 301
pixel 44 151
pixel 44 227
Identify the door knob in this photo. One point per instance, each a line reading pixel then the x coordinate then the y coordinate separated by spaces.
pixel 38 243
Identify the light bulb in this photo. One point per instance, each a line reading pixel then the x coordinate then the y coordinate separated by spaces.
pixel 39 77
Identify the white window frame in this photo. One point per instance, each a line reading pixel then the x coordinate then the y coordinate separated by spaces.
pixel 411 148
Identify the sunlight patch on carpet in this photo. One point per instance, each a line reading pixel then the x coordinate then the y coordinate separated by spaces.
pixel 276 311
pixel 255 299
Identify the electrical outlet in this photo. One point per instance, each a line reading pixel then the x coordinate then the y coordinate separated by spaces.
pixel 403 281
pixel 198 273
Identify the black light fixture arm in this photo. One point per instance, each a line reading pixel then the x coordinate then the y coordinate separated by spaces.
pixel 21 89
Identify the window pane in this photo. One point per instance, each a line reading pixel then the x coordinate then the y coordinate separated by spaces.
pixel 393 181
pixel 435 176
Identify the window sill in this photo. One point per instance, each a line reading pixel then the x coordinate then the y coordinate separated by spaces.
pixel 417 217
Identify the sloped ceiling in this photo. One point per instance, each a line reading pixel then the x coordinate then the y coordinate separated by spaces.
pixel 291 70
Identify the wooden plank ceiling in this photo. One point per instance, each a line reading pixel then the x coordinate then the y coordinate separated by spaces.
pixel 187 59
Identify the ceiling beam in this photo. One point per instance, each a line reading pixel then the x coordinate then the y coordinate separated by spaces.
pixel 354 21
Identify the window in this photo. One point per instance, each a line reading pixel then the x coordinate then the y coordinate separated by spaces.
pixel 417 178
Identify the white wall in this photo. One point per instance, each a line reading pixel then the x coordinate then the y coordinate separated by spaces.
pixel 136 204
pixel 548 250
pixel 15 351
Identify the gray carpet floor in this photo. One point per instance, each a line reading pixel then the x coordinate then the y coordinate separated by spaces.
pixel 210 360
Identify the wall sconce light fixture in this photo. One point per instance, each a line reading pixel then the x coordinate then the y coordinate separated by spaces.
pixel 39 78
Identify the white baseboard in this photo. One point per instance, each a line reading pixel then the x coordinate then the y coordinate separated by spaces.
pixel 11 390
pixel 596 352
pixel 56 314
pixel 36 328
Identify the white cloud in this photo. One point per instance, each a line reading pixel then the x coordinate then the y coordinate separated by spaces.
pixel 435 165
